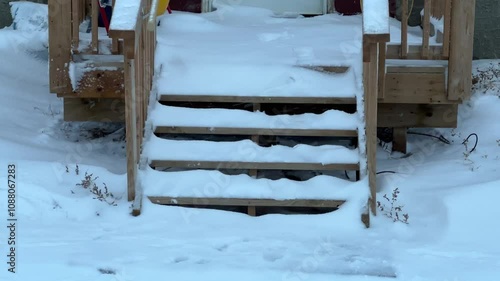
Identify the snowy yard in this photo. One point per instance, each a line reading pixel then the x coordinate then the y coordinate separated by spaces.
pixel 63 234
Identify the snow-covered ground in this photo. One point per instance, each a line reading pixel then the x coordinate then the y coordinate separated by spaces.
pixel 63 234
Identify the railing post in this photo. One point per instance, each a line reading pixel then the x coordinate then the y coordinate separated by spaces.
pixel 404 29
pixel 375 36
pixel 95 26
pixel 370 79
pixel 138 48
pixel 461 44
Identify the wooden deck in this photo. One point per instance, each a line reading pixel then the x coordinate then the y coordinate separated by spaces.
pixel 406 84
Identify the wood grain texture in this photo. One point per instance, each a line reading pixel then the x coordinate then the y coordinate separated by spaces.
pixel 59 45
pixel 461 45
pixel 194 201
pixel 424 88
pixel 228 165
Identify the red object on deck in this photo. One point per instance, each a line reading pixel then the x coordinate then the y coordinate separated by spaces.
pixel 104 16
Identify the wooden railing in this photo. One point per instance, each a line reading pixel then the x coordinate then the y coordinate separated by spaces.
pixel 82 10
pixel 453 22
pixel 375 36
pixel 129 23
pixel 66 42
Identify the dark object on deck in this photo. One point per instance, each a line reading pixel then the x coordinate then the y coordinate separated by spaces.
pixel 348 7
pixel 109 12
pixel 414 8
pixel 352 7
pixel 193 6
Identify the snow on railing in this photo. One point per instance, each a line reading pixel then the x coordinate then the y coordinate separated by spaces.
pixel 375 17
pixel 125 15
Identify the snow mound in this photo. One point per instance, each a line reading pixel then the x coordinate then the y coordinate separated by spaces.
pixel 29 16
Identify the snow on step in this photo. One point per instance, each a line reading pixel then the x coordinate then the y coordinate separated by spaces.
pixel 218 79
pixel 214 184
pixel 170 116
pixel 246 151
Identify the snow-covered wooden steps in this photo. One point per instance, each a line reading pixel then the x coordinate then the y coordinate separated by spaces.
pixel 246 154
pixel 232 83
pixel 218 121
pixel 280 138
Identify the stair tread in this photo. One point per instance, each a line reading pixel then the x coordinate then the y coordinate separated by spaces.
pixel 214 184
pixel 255 99
pixel 217 118
pixel 246 151
pixel 255 81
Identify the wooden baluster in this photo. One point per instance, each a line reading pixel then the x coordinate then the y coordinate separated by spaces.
pixel 114 41
pixel 427 29
pixel 75 21
pixel 404 29
pixel 446 33
pixel 381 70
pixel 95 27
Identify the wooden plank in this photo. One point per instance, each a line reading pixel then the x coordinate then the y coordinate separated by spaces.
pixel 414 52
pixel 95 110
pixel 376 38
pixel 416 69
pixel 327 68
pixel 252 211
pixel 255 139
pixel 447 24
pixel 404 30
pixel 253 165
pixel 75 6
pixel 114 41
pixel 438 8
pixel 418 115
pixel 194 201
pixel 95 27
pixel 100 84
pixel 130 129
pixel 399 142
pixel 389 115
pixel 416 88
pixel 381 70
pixel 370 80
pixel 426 29
pixel 254 131
pixel 253 99
pixel 59 45
pixel 461 45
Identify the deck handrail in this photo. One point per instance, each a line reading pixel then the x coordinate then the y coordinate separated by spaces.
pixel 129 23
pixel 375 36
pixel 454 20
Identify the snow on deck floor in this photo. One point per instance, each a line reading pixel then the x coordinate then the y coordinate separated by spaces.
pixel 249 51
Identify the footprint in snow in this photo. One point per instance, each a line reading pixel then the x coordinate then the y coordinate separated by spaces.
pixel 222 248
pixel 180 259
pixel 267 37
pixel 273 255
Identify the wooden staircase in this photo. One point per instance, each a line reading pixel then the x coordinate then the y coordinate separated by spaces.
pixel 250 147
pixel 237 140
pixel 268 149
